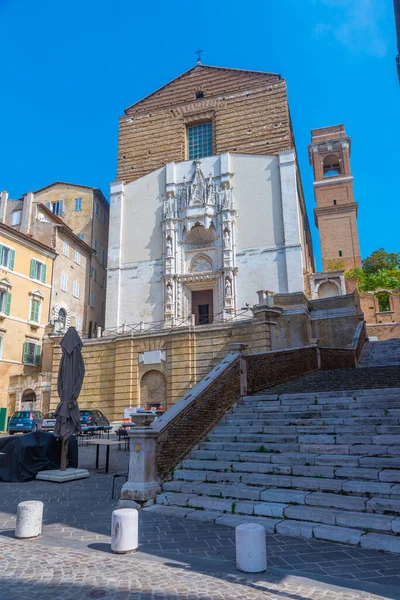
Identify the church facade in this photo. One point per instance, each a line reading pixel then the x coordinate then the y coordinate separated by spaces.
pixel 208 206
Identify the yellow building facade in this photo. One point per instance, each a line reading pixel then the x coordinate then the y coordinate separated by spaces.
pixel 26 272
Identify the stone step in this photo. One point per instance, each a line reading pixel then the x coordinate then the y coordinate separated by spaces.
pixel 322 465
pixel 318 422
pixel 249 485
pixel 332 524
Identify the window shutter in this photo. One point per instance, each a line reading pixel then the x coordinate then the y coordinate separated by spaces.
pixel 8 305
pixel 25 352
pixel 61 204
pixel 44 271
pixel 38 352
pixel 48 205
pixel 12 259
pixel 1 251
pixel 33 268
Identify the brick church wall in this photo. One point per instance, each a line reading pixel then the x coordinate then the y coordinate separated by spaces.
pixel 249 112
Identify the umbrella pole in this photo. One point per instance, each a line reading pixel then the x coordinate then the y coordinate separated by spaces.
pixel 64 453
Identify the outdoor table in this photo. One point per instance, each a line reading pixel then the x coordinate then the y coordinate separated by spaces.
pixel 106 443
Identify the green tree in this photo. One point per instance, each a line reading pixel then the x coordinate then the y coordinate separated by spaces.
pixel 381 260
pixel 383 278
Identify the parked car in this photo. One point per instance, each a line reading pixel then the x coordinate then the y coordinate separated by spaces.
pixel 93 418
pixel 25 421
pixel 49 422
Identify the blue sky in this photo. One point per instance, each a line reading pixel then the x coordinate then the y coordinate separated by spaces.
pixel 69 69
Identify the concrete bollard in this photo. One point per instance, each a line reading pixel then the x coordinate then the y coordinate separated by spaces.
pixel 124 530
pixel 251 548
pixel 29 519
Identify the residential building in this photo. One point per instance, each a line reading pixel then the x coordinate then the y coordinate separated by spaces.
pixel 209 182
pixel 26 273
pixel 85 212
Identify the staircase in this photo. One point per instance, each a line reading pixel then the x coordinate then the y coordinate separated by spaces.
pixel 314 464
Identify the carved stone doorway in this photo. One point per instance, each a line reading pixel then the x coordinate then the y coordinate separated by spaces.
pixel 203 306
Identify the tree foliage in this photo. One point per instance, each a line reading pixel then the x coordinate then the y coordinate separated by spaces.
pixel 381 260
pixel 381 270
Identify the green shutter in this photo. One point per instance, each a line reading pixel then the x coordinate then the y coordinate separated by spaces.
pixel 8 305
pixel 44 271
pixel 12 259
pixel 38 353
pixel 25 353
pixel 33 268
pixel 1 251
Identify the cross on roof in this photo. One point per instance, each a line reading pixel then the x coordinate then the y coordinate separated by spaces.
pixel 199 53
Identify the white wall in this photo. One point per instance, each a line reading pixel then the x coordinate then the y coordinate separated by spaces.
pixel 268 236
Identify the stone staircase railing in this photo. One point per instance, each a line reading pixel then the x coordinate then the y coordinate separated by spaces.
pixel 158 447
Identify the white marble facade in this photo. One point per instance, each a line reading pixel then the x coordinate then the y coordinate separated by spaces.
pixel 229 223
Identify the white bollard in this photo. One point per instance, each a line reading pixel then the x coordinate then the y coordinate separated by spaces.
pixel 124 530
pixel 29 519
pixel 251 548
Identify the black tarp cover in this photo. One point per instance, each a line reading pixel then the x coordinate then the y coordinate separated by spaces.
pixel 24 456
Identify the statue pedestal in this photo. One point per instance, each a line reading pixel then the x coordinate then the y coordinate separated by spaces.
pixel 141 485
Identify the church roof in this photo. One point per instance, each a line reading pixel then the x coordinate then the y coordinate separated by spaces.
pixel 245 74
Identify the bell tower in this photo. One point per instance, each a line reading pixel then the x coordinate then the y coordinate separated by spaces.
pixel 336 211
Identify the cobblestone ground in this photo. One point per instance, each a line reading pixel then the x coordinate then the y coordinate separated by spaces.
pixel 177 558
pixel 28 571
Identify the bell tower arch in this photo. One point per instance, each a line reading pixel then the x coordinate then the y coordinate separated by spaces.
pixel 336 210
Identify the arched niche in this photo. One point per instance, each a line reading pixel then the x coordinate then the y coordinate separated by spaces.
pixel 331 165
pixel 328 289
pixel 153 389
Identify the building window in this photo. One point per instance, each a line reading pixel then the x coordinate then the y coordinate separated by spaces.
pixel 7 257
pixel 38 270
pixel 103 257
pixel 77 257
pixel 340 253
pixel 96 247
pixel 78 204
pixel 104 284
pixel 5 302
pixel 199 95
pixel 384 301
pixel 16 217
pixel 75 291
pixel 66 248
pixel 81 236
pixel 105 219
pixel 31 353
pixel 34 313
pixel 64 282
pixel 78 323
pixel 199 140
pixel 97 209
pixel 92 299
pixel 62 319
pixel 57 208
pixel 334 203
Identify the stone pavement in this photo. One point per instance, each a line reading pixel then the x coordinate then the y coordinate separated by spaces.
pixel 177 558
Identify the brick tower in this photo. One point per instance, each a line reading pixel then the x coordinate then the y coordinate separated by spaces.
pixel 336 211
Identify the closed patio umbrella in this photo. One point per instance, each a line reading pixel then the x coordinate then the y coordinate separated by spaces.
pixel 70 378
